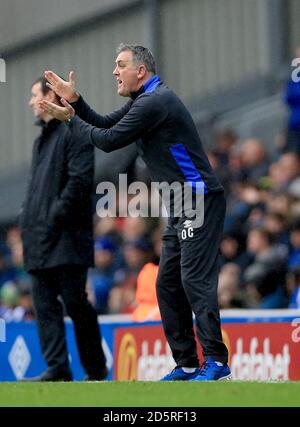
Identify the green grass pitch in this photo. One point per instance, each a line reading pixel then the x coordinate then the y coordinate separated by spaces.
pixel 140 394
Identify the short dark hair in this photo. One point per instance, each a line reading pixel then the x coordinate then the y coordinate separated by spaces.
pixel 44 87
pixel 141 55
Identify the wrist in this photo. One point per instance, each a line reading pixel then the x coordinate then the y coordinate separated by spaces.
pixel 74 98
pixel 67 122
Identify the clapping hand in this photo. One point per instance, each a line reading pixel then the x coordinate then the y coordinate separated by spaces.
pixel 58 112
pixel 62 88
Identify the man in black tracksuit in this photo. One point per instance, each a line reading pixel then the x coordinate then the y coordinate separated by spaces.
pixel 170 145
pixel 57 233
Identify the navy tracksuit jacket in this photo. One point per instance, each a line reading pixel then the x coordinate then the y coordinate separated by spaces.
pixel 169 143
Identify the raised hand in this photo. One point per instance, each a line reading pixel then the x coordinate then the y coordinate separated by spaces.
pixel 60 113
pixel 64 89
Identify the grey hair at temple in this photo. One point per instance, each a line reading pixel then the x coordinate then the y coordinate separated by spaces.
pixel 141 55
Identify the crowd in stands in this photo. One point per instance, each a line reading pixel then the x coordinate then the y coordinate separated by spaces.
pixel 260 248
pixel 259 252
pixel 122 281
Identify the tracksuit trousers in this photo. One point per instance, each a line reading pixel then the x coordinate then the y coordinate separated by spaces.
pixel 187 283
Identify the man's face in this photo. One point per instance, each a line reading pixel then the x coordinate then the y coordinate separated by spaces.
pixel 129 75
pixel 37 96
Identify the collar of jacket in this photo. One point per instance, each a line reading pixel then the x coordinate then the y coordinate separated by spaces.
pixel 49 126
pixel 149 86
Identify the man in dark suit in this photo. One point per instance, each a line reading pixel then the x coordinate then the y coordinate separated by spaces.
pixel 57 234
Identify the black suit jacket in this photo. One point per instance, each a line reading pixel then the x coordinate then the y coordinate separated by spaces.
pixel 56 218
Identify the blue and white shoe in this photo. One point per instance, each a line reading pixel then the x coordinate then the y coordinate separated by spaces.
pixel 211 371
pixel 178 374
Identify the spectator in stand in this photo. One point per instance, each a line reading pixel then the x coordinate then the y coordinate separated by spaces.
pixel 265 277
pixel 280 203
pixel 276 224
pixel 14 243
pixel 233 251
pixel 235 165
pixel 262 289
pixel 102 278
pixel 136 254
pixel 145 298
pixel 16 302
pixel 225 140
pixel 246 198
pixel 108 227
pixel 289 164
pixel 7 270
pixel 8 301
pixel 256 217
pixel 25 303
pixel 133 228
pixel 229 293
pixel 284 172
pixel 254 159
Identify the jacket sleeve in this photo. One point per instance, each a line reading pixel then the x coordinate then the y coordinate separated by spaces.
pixel 78 189
pixel 145 115
pixel 22 211
pixel 86 113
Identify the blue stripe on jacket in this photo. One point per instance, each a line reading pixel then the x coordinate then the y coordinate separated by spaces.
pixel 188 168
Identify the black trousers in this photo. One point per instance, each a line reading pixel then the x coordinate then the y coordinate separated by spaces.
pixel 187 283
pixel 68 282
